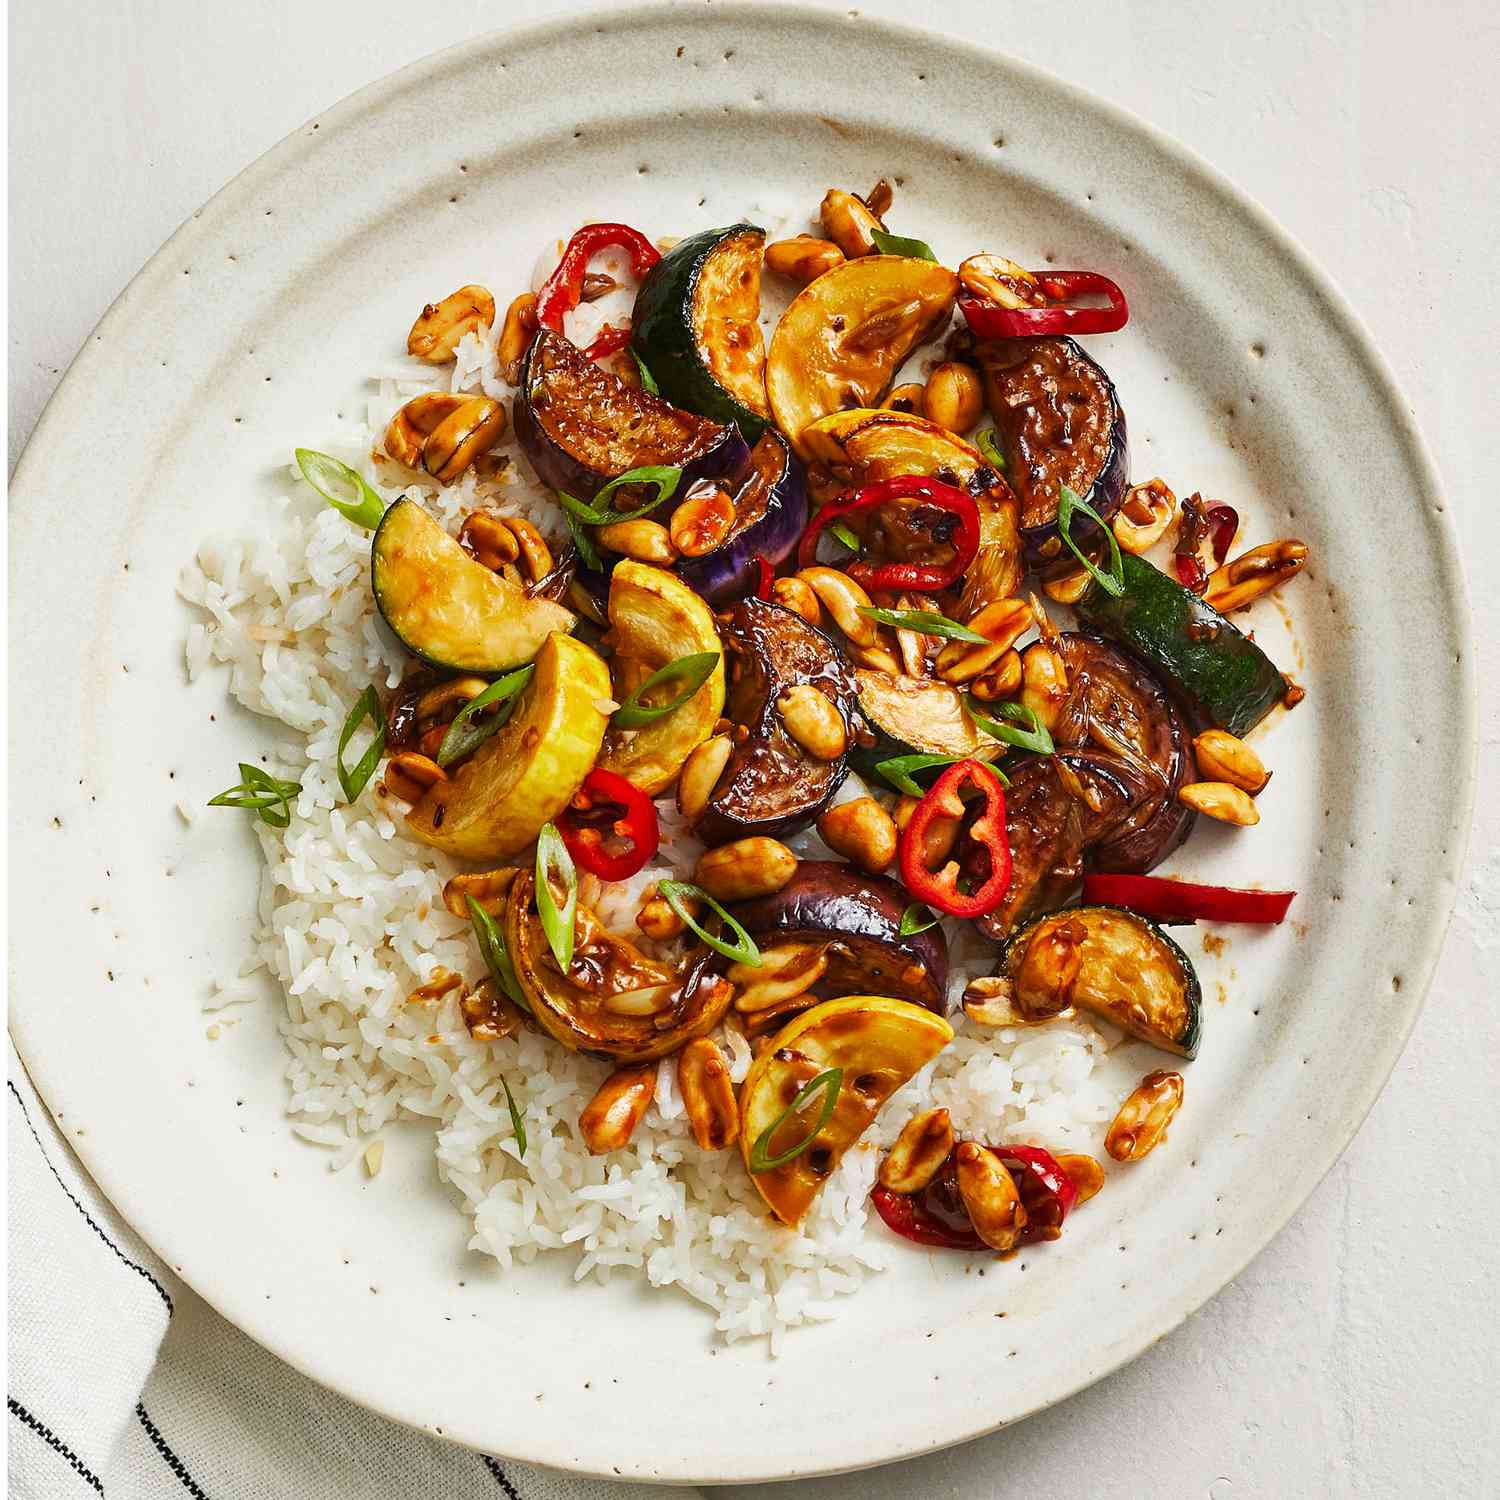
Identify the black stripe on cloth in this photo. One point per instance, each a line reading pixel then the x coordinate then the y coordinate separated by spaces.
pixel 134 1265
pixel 54 1442
pixel 500 1479
pixel 172 1461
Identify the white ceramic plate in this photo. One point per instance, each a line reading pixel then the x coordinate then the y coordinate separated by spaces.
pixel 1244 375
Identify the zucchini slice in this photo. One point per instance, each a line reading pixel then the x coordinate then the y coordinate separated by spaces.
pixel 447 608
pixel 1219 670
pixel 916 716
pixel 1129 972
pixel 697 327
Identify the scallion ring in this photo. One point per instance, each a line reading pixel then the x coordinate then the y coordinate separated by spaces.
pixel 557 922
pixel 464 734
pixel 917 917
pixel 664 477
pixel 677 893
pixel 830 1082
pixel 1113 582
pixel 924 622
pixel 987 445
pixel 495 954
pixel 648 380
pixel 261 793
pixel 345 489
pixel 516 1122
pixel 355 779
pixel 1032 734
pixel 692 671
pixel 895 244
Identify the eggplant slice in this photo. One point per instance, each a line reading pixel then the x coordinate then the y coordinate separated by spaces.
pixel 770 784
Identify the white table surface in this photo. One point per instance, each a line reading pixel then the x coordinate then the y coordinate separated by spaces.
pixel 1357 1355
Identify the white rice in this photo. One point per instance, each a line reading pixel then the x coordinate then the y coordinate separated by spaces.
pixel 351 921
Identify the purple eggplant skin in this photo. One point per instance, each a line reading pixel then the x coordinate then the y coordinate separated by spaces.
pixel 580 427
pixel 1059 421
pixel 770 785
pixel 770 505
pixel 862 915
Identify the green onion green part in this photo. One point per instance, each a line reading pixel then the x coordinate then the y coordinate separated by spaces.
pixel 516 1122
pixel 1032 734
pixel 1113 582
pixel 465 734
pixel 924 622
pixel 830 1083
pixel 354 781
pixel 843 535
pixel 648 380
pixel 894 244
pixel 917 917
pixel 692 671
pixel 495 954
pixel 897 771
pixel 261 793
pixel 663 477
pixel 990 448
pixel 345 489
pixel 552 854
pixel 583 543
pixel 677 893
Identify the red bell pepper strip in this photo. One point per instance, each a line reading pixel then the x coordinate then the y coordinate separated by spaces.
pixel 563 289
pixel 939 888
pixel 1047 1192
pixel 609 805
pixel 1178 900
pixel 922 578
pixel 991 321
pixel 764 574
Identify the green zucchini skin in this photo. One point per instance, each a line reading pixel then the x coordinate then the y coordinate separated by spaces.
pixel 1217 669
pixel 1182 1040
pixel 914 716
pixel 666 339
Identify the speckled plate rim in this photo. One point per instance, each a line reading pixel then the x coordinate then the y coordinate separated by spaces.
pixel 93 364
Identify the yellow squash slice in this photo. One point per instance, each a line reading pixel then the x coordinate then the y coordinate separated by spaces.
pixel 877 1041
pixel 495 802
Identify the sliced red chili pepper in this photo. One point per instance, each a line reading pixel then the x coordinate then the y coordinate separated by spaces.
pixel 1181 901
pixel 607 806
pixel 991 321
pixel 1223 523
pixel 1190 572
pixel 1047 1192
pixel 935 1216
pixel 764 574
pixel 563 289
pixel 920 577
pixel 939 888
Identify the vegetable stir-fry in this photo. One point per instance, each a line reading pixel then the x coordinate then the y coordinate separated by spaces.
pixel 775 567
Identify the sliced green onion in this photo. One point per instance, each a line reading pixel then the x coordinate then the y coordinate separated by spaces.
pixel 990 448
pixel 1113 582
pixel 648 380
pixel 261 793
pixel 898 770
pixel 354 781
pixel 664 477
pixel 842 534
pixel 552 854
pixel 345 489
pixel 831 1083
pixel 894 244
pixel 924 622
pixel 495 954
pixel 583 543
pixel 464 734
pixel 516 1122
pixel 1033 735
pixel 917 917
pixel 677 893
pixel 693 671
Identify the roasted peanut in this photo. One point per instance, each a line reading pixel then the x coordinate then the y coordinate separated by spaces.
pixel 440 983
pixel 515 336
pixel 657 920
pixel 843 598
pixel 848 223
pixel 987 1002
pixel 1141 1124
pixel 439 329
pixel 918 1152
pixel 409 775
pixel 1068 588
pixel 1086 1174
pixel 645 541
pixel 1244 579
pixel 1002 623
pixel 1049 969
pixel 797 595
pixel 1222 756
pixel 1143 517
pixel 653 1000
pixel 911 397
pixel 1220 800
pixel 803 258
pixel 701 523
pixel 700 775
pixel 879 657
pixel 489 1015
pixel 910 646
pixel 1001 682
pixel 460 438
pixel 1044 682
pixel 489 539
pixel 942 833
pixel 708 1094
pixel 610 1118
pixel 997 279
pixel 813 719
pixel 862 831
pixel 954 397
pixel 989 1193
pixel 447 698
pixel 407 432
pixel 536 555
pixel 488 888
pixel 746 868
pixel 785 973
